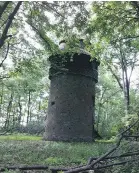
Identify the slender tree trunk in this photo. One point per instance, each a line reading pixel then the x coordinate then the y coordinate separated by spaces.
pixel 29 103
pixel 127 91
pixel 1 98
pixel 20 111
pixel 39 109
pixel 126 83
pixel 115 76
pixel 126 87
pixel 14 116
pixel 7 121
pixel 99 109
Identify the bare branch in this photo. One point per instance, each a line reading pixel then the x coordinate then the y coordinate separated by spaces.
pixel 55 170
pixel 118 163
pixel 131 136
pixel 115 157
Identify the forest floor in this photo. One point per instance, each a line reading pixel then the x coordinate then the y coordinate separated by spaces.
pixel 32 150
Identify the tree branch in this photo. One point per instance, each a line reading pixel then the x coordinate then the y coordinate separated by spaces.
pixel 45 3
pixel 118 163
pixel 2 9
pixel 90 166
pixel 55 170
pixel 24 168
pixel 108 98
pixel 9 22
pixel 116 77
pixel 115 157
pixel 131 136
pixel 132 67
pixel 5 55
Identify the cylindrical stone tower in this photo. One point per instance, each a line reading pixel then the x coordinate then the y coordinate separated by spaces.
pixel 72 98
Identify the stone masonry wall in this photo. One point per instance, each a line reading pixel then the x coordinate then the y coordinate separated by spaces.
pixel 70 109
pixel 71 104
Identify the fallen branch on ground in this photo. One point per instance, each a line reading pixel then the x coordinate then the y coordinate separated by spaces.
pixel 115 157
pixel 116 164
pixel 91 165
pixel 131 136
pixel 55 170
pixel 36 167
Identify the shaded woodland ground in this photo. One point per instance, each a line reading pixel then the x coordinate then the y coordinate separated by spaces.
pixel 25 153
pixel 31 150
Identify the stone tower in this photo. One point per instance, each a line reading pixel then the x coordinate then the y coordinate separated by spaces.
pixel 72 97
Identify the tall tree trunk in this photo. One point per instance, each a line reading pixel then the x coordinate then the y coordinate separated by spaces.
pixel 126 86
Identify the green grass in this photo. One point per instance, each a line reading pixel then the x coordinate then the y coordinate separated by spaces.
pixel 25 149
pixel 20 137
pixel 31 150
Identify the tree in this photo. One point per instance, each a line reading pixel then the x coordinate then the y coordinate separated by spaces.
pixel 10 18
pixel 115 29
